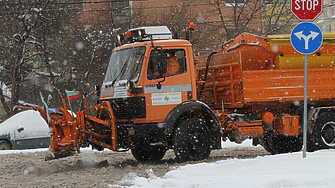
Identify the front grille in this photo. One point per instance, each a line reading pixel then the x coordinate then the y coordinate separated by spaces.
pixel 129 107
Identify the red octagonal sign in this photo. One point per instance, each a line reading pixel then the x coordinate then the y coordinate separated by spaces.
pixel 306 10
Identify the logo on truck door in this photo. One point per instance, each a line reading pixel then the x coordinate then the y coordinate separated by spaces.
pixel 165 98
pixel 120 92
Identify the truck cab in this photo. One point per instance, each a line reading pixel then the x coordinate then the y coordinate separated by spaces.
pixel 150 98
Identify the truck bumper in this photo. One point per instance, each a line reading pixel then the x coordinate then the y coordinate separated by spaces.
pixel 152 133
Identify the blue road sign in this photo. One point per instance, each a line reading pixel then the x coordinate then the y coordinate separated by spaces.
pixel 306 38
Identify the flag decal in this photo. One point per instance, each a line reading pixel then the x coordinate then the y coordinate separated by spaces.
pixel 72 94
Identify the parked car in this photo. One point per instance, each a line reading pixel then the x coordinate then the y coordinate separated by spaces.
pixel 25 130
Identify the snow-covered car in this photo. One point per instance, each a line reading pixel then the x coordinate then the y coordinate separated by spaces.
pixel 25 130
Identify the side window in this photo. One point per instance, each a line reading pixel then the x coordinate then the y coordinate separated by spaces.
pixel 176 63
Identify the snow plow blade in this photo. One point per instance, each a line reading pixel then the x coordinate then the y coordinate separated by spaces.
pixel 61 154
pixel 69 132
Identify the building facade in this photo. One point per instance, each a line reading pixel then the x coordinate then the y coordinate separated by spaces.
pixel 326 21
pixel 216 21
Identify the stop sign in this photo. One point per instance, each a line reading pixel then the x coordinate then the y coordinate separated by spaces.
pixel 306 10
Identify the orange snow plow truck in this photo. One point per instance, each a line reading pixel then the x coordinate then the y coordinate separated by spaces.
pixel 157 96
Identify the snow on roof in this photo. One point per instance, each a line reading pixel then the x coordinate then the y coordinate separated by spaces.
pixel 23 119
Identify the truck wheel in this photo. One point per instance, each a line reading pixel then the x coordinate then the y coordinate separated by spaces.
pixel 276 144
pixel 191 141
pixel 148 153
pixel 269 143
pixel 324 131
pixel 4 145
pixel 268 147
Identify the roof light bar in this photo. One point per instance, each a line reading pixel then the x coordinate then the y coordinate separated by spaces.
pixel 145 33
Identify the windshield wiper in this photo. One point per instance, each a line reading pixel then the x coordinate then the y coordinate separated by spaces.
pixel 121 72
pixel 135 72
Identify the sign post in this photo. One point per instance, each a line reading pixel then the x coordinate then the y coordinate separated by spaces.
pixel 306 38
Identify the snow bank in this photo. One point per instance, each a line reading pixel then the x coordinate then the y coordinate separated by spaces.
pixel 285 170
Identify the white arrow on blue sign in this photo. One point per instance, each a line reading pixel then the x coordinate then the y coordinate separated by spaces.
pixel 306 38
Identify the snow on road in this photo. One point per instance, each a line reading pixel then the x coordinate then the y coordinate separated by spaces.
pixel 269 171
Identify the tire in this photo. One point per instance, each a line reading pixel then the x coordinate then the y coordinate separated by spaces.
pixel 145 152
pixel 276 144
pixel 268 147
pixel 324 131
pixel 191 141
pixel 4 145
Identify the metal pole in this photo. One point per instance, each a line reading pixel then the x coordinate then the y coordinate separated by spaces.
pixel 131 5
pixel 305 107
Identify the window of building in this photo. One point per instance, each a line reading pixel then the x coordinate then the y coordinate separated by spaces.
pixel 82 5
pixel 235 2
pixel 121 11
pixel 328 29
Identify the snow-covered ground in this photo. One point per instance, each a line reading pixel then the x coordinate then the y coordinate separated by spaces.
pixel 278 171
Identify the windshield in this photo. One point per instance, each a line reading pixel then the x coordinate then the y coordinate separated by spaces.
pixel 124 65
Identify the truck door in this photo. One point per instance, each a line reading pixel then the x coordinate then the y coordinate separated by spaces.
pixel 175 84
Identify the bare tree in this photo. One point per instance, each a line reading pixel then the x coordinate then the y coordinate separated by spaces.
pixel 32 31
pixel 254 16
pixel 18 50
pixel 277 17
pixel 177 15
pixel 95 42
pixel 45 47
pixel 93 53
pixel 237 16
